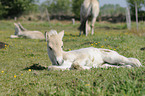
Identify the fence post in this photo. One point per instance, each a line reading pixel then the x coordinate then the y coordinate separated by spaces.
pixel 15 18
pixel 73 21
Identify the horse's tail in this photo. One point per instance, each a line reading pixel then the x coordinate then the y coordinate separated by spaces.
pixel 85 18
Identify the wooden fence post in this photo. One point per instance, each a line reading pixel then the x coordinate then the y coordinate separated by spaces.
pixel 73 21
pixel 15 18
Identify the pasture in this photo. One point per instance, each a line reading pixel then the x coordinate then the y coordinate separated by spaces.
pixel 24 62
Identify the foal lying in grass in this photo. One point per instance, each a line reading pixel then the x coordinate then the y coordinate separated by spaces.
pixel 84 58
pixel 20 31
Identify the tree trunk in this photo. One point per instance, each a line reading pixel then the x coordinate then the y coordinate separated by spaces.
pixel 48 19
pixel 128 18
pixel 136 12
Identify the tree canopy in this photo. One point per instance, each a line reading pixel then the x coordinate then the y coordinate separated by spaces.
pixel 112 10
pixel 76 5
pixel 11 8
pixel 140 5
pixel 57 7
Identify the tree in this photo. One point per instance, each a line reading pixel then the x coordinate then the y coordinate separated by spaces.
pixel 112 10
pixel 140 4
pixel 76 5
pixel 2 10
pixel 12 8
pixel 57 7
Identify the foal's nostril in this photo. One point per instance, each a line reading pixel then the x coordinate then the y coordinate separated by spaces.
pixel 60 63
pixel 57 62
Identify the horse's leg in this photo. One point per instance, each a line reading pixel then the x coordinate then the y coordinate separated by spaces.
pixel 108 65
pixel 92 25
pixel 80 63
pixel 113 57
pixel 80 33
pixel 86 28
pixel 80 30
pixel 58 68
pixel 81 21
pixel 65 66
pixel 21 27
pixel 77 66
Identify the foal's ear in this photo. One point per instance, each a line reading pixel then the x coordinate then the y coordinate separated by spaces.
pixel 46 35
pixel 61 34
pixel 15 24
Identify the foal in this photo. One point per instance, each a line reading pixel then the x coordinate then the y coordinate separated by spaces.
pixel 84 58
pixel 20 31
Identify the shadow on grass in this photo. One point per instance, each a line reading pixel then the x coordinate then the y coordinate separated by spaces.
pixel 3 45
pixel 36 67
pixel 72 35
pixel 143 49
pixel 111 28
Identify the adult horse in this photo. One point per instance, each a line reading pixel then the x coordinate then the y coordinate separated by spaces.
pixel 88 8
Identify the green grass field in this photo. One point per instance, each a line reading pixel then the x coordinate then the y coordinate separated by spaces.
pixel 23 64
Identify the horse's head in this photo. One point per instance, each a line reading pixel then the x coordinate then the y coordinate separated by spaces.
pixel 54 46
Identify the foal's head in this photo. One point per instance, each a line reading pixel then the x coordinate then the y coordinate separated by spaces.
pixel 54 46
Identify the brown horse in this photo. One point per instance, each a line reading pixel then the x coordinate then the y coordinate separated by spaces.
pixel 88 8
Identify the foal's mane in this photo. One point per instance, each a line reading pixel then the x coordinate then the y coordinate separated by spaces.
pixel 52 32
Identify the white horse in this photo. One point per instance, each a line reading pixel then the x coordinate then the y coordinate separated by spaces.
pixel 20 31
pixel 88 8
pixel 84 58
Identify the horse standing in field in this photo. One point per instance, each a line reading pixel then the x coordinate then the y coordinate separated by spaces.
pixel 88 8
pixel 84 58
pixel 20 31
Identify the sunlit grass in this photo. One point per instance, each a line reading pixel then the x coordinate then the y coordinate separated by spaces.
pixel 23 63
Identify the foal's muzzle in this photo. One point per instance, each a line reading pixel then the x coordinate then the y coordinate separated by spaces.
pixel 60 63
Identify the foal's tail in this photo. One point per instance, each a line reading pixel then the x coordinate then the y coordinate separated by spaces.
pixel 84 17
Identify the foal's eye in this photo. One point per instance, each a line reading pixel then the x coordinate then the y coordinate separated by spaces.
pixel 50 48
pixel 61 46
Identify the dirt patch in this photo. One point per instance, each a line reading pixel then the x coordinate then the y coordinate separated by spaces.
pixel 3 45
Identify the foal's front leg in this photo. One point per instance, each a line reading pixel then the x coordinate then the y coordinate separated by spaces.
pixel 80 63
pixel 57 68
pixel 65 66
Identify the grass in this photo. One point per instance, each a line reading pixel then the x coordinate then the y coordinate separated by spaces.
pixel 23 64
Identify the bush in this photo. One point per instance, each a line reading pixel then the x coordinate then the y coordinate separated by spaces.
pixel 57 7
pixel 76 5
pixel 12 8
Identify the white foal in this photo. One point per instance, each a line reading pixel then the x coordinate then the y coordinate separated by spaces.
pixel 84 58
pixel 20 31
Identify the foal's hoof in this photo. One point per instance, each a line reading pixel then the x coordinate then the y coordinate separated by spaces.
pixel 51 68
pixel 136 62
pixel 76 66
